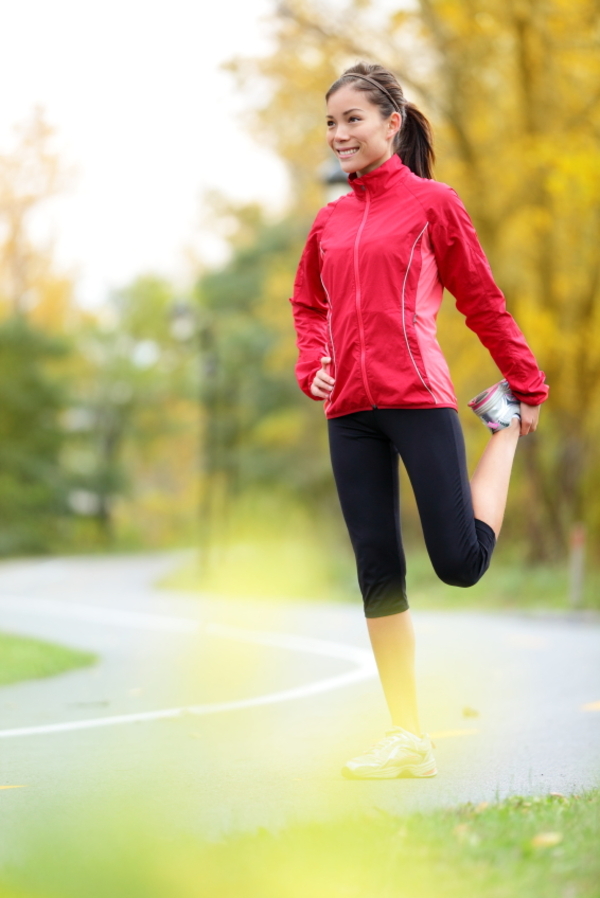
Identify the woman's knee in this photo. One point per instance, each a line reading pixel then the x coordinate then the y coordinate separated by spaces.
pixel 459 574
pixel 464 566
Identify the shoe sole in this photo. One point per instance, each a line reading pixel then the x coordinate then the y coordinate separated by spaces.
pixel 483 399
pixel 416 771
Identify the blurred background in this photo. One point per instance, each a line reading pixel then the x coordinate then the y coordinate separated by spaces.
pixel 159 171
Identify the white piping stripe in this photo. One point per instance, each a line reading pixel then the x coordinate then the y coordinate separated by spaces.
pixel 403 315
pixel 363 659
pixel 330 333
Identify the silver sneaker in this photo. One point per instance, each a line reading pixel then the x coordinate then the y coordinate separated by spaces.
pixel 399 753
pixel 496 406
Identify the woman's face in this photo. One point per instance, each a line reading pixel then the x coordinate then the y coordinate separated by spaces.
pixel 358 135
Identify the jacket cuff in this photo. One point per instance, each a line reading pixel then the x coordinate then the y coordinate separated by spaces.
pixel 532 397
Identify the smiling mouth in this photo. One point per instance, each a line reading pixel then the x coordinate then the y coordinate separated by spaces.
pixel 344 154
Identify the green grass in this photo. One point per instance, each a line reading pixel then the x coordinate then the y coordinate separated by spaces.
pixel 22 658
pixel 542 847
pixel 270 548
pixel 298 567
pixel 531 847
pixel 510 584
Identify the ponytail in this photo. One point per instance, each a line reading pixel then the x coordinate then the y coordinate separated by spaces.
pixel 414 142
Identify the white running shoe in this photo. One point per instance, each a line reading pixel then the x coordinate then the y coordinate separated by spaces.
pixel 399 753
pixel 496 406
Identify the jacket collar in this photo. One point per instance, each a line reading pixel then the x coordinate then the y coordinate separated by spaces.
pixel 380 179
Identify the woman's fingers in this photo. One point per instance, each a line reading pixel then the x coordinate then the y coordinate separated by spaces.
pixel 530 415
pixel 322 385
pixel 323 382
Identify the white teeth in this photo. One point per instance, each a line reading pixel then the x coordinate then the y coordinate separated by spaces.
pixel 348 152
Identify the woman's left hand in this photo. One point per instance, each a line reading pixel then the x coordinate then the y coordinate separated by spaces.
pixel 530 415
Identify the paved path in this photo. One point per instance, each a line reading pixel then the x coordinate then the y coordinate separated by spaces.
pixel 228 715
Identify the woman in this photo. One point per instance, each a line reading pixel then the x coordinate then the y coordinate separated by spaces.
pixel 366 296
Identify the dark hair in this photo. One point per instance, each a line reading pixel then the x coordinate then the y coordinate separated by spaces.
pixel 414 142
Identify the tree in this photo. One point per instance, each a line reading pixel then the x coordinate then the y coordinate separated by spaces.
pixel 259 430
pixel 30 174
pixel 100 427
pixel 33 394
pixel 33 488
pixel 133 419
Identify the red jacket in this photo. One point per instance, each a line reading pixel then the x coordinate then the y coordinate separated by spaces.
pixel 368 290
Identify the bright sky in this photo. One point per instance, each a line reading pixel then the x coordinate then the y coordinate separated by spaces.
pixel 147 119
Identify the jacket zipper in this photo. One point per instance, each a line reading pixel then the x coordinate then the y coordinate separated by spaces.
pixel 361 329
pixel 412 252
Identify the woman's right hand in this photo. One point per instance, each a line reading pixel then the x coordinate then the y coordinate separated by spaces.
pixel 323 383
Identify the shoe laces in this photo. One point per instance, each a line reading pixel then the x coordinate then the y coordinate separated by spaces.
pixel 390 737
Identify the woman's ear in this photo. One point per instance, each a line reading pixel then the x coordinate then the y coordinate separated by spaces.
pixel 394 123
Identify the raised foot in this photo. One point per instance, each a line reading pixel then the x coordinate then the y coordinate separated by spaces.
pixel 496 407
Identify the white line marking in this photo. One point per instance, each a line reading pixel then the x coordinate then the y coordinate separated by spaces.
pixel 98 614
pixel 295 643
pixel 363 659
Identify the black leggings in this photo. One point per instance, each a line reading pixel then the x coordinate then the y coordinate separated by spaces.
pixel 364 453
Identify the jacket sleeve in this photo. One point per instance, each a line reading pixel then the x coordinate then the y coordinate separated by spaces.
pixel 465 271
pixel 310 308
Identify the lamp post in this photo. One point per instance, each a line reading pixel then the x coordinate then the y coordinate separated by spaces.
pixel 334 180
pixel 190 327
pixel 183 320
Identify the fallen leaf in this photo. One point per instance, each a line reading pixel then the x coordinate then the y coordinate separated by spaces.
pixel 591 706
pixel 546 840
